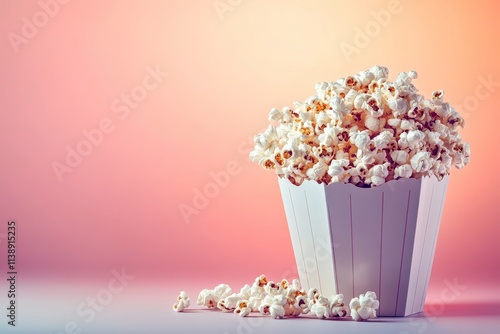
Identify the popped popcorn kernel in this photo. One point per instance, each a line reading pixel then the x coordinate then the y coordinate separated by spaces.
pixel 211 298
pixel 242 308
pixel 364 307
pixel 183 302
pixel 338 307
pixel 321 308
pixel 276 309
pixel 207 298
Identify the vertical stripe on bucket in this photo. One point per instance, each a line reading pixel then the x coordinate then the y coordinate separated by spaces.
pixel 313 242
pixel 302 271
pixel 366 212
pixel 424 242
pixel 306 237
pixel 431 238
pixel 340 226
pixel 402 253
pixel 316 206
pixel 335 274
pixel 379 295
pixel 423 202
pixel 352 247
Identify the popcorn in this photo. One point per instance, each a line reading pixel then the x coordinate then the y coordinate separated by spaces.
pixel 399 156
pixel 296 300
pixel 273 289
pixel 284 285
pixel 365 77
pixel 245 291
pixel 211 298
pixel 365 130
pixel 313 295
pixel 361 139
pixel 276 309
pixel 256 292
pixel 242 308
pixel 303 303
pixel 296 284
pixel 182 302
pixel 321 308
pixel 260 282
pixel 420 162
pixel 222 291
pixel 265 306
pixel 398 105
pixel 291 306
pixel 378 173
pixel 382 140
pixel 229 303
pixel 280 300
pixel 337 306
pixel 414 137
pixel 379 72
pixel 403 171
pixel 318 170
pixel 364 307
pixel 207 298
pixel 255 301
pixel 275 115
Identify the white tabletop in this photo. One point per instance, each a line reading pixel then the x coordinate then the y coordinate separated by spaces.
pixel 143 308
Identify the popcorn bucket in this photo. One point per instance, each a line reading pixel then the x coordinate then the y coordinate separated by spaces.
pixel 350 240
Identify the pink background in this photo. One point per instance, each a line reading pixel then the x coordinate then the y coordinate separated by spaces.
pixel 120 207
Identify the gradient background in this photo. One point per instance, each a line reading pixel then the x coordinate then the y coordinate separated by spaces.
pixel 120 207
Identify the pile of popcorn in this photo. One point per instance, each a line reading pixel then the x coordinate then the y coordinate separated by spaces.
pixel 280 300
pixel 364 130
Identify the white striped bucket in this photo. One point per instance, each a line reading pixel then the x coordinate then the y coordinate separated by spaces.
pixel 350 240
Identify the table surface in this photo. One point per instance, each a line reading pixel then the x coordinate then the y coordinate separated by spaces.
pixel 148 309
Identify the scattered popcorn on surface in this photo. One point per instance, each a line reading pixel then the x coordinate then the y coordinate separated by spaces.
pixel 229 303
pixel 320 307
pixel 222 291
pixel 257 293
pixel 303 304
pixel 364 307
pixel 364 130
pixel 182 302
pixel 276 309
pixel 337 306
pixel 313 295
pixel 206 298
pixel 242 308
pixel 281 300
pixel 211 298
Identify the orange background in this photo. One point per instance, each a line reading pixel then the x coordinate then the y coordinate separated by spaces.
pixel 121 205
